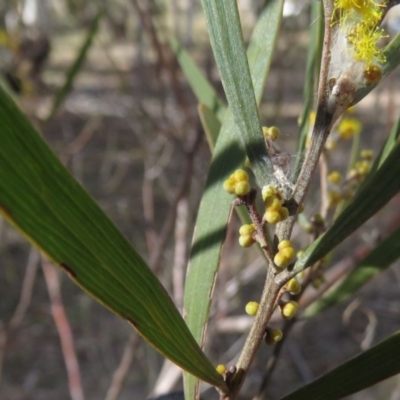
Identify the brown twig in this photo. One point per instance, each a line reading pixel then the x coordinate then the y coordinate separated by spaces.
pixel 323 124
pixel 164 57
pixel 64 330
pixel 323 163
pixel 169 223
pixel 23 304
pixel 121 372
pixel 26 291
pixel 265 310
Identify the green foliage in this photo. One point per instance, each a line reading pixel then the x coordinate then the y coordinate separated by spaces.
pixel 374 365
pixel 40 198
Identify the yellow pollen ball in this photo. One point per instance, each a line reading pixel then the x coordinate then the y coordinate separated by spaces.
pixel 349 127
pixel 242 188
pixel 284 244
pixel 335 177
pixel 252 308
pixel 272 217
pixel 229 186
pixel 367 154
pixel 293 286
pixel 273 336
pixel 272 133
pixel 246 240
pixel 240 175
pixel 280 260
pixel 267 191
pixel 289 310
pixel 247 229
pixel 284 213
pixel 221 369
pixel 288 252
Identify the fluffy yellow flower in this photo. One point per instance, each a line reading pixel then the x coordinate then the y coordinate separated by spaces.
pixel 349 127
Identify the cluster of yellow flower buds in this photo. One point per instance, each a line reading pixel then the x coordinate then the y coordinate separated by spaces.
pixel 285 254
pixel 363 166
pixel 274 211
pixel 246 235
pixel 238 183
pixel 334 195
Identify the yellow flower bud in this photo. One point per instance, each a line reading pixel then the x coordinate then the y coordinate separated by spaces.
pixel 271 133
pixel 247 229
pixel 273 336
pixel 246 240
pixel 335 177
pixel 242 188
pixel 280 260
pixel 252 307
pixel 289 310
pixel 221 369
pixel 284 244
pixel 274 205
pixel 349 127
pixel 284 213
pixel 334 198
pixel 229 186
pixel 240 175
pixel 293 286
pixel 288 252
pixel 272 217
pixel 367 154
pixel 268 190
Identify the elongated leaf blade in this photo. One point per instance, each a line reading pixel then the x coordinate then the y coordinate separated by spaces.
pixel 202 88
pixel 215 205
pixel 378 260
pixel 211 124
pixel 312 68
pixel 76 66
pixel 40 197
pixel 374 365
pixel 225 32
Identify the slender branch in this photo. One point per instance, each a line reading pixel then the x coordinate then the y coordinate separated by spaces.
pixel 121 372
pixel 265 310
pixel 323 124
pixel 64 330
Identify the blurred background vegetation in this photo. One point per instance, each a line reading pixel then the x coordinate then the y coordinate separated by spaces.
pixel 102 85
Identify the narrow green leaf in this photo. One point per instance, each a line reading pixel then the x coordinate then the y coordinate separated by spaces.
pixel 40 197
pixel 391 141
pixel 215 205
pixel 211 124
pixel 225 32
pixel 200 85
pixel 76 66
pixel 379 259
pixel 371 197
pixel 370 367
pixel 312 70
